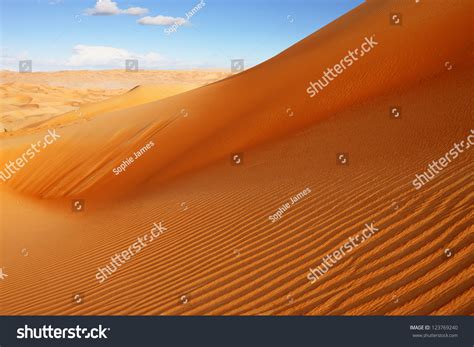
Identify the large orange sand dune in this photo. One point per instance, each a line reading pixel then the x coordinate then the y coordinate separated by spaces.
pixel 220 252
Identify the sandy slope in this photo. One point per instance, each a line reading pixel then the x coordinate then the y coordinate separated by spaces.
pixel 220 250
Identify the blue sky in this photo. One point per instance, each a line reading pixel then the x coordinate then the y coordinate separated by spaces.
pixel 83 34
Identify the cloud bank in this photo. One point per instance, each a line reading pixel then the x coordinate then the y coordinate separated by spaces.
pixel 105 56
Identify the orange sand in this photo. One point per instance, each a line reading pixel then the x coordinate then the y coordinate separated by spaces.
pixel 28 99
pixel 220 250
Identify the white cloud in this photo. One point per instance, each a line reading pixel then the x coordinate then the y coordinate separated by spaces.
pixel 135 11
pixel 110 8
pixel 161 20
pixel 111 57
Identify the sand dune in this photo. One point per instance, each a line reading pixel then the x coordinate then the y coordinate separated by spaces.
pixel 25 105
pixel 113 79
pixel 221 254
pixel 31 99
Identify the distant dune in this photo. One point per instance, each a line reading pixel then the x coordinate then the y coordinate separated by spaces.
pixel 29 99
pixel 113 79
pixel 221 254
